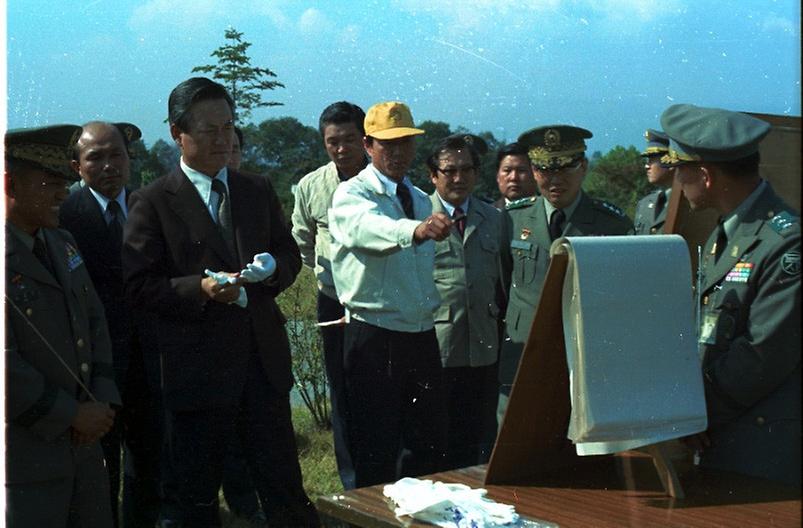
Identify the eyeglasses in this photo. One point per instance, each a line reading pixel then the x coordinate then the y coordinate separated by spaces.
pixel 451 172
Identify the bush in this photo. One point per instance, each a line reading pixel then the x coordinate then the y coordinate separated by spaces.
pixel 298 303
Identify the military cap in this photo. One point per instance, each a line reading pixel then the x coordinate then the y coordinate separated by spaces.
pixel 476 142
pixel 49 148
pixel 710 134
pixel 657 143
pixel 555 146
pixel 390 120
pixel 130 132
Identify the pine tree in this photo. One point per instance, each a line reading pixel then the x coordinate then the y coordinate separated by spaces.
pixel 244 82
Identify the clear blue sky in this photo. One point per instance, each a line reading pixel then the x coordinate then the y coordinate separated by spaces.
pixel 504 66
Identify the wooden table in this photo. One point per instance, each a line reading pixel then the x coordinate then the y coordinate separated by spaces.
pixel 604 497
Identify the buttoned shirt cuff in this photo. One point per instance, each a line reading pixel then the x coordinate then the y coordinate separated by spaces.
pixel 405 230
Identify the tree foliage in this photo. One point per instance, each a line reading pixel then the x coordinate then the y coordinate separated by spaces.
pixel 618 177
pixel 244 82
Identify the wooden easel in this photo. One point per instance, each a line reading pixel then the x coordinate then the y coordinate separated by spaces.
pixel 532 440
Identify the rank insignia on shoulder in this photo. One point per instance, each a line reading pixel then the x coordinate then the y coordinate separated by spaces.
pixel 73 257
pixel 790 263
pixel 610 207
pixel 783 221
pixel 521 202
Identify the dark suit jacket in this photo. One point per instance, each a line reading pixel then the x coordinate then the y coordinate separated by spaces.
pixel 41 395
pixel 170 239
pixel 82 216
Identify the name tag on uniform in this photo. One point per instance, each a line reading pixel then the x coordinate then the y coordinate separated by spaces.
pixel 707 332
pixel 521 244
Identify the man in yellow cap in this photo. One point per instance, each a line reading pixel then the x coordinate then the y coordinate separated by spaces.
pixel 559 165
pixel 383 251
pixel 59 373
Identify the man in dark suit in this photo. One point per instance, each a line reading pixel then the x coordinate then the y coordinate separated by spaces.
pixel 58 361
pixel 225 354
pixel 95 214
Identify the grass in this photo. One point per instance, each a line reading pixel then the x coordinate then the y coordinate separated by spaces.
pixel 316 455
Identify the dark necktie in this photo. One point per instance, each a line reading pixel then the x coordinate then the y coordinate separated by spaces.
pixel 660 203
pixel 224 214
pixel 721 243
pixel 40 252
pixel 460 223
pixel 115 223
pixel 406 200
pixel 556 224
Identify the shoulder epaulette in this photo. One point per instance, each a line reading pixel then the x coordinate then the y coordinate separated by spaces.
pixel 521 202
pixel 783 221
pixel 609 207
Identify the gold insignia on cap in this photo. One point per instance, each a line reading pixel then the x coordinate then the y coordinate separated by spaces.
pixel 552 138
pixel 647 134
pixel 129 133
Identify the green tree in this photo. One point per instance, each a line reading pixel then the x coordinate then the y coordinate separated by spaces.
pixel 244 82
pixel 618 177
pixel 283 150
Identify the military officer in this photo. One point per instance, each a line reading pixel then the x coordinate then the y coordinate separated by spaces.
pixel 750 296
pixel 59 373
pixel 651 210
pixel 559 165
pixel 467 278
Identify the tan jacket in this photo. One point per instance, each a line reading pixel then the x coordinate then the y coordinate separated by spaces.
pixel 310 219
pixel 467 279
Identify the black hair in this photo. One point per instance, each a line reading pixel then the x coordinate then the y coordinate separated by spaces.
pixel 452 143
pixel 341 113
pixel 188 93
pixel 511 149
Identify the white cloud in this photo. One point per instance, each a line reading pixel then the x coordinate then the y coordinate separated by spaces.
pixel 774 23
pixel 313 21
pixel 181 13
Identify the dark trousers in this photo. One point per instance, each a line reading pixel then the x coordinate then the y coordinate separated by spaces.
pixel 397 422
pixel 263 423
pixel 144 417
pixel 330 310
pixel 238 487
pixel 472 394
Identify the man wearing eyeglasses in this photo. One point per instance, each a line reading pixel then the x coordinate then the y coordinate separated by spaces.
pixel 651 210
pixel 559 165
pixel 467 278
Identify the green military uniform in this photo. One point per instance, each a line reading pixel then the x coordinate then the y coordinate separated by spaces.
pixel 750 308
pixel 525 261
pixel 651 210
pixel 48 479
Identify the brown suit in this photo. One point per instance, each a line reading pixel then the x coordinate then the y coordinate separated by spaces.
pixel 211 352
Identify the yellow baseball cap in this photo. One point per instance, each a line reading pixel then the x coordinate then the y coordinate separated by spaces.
pixel 390 120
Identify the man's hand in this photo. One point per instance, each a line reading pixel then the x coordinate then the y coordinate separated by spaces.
pixel 226 293
pixel 92 421
pixel 436 227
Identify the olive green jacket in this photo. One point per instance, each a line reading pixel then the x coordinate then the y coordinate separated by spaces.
pixel 525 260
pixel 750 341
pixel 645 222
pixel 42 396
pixel 467 279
